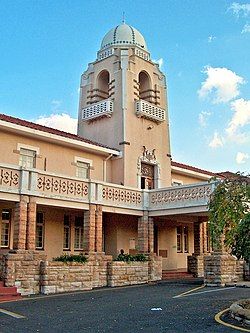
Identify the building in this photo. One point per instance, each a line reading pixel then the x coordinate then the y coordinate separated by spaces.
pixel 113 186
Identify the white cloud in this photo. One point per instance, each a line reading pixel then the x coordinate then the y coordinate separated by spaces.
pixel 222 82
pixel 61 121
pixel 241 116
pixel 203 118
pixel 217 141
pixel 241 158
pixel 246 28
pixel 159 62
pixel 211 38
pixel 240 9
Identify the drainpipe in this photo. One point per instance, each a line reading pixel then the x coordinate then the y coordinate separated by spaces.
pixel 105 167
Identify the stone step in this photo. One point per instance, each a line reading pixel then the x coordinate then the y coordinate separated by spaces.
pixel 176 275
pixel 1 283
pixel 8 290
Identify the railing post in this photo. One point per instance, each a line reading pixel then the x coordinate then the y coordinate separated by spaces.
pixel 145 200
pixel 24 185
pixel 33 181
pixel 92 192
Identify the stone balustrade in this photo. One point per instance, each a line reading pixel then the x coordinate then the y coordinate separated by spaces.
pixel 16 180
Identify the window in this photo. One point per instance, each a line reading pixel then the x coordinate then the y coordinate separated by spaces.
pixel 179 239
pixel 66 233
pixel 82 170
pixel 5 228
pixel 39 230
pixel 27 158
pixel 78 233
pixel 185 234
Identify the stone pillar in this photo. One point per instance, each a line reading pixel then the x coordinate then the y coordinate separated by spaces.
pixel 150 235
pixel 20 221
pixel 98 229
pixel 143 239
pixel 89 229
pixel 198 239
pixel 196 260
pixel 31 225
pixel 145 234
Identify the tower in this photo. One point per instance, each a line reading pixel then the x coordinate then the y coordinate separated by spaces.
pixel 123 104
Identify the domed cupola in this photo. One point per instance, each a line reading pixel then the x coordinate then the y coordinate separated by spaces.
pixel 123 35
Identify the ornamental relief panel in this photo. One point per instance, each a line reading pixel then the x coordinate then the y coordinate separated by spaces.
pixel 180 195
pixel 121 195
pixel 9 177
pixel 61 186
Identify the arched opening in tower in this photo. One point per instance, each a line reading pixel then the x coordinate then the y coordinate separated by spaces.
pixel 103 85
pixel 145 90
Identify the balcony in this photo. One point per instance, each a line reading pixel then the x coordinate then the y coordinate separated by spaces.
pixel 100 109
pixel 74 192
pixel 150 111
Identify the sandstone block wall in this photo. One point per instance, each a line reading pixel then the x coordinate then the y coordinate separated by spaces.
pixel 155 268
pixel 99 269
pixel 22 269
pixel 196 265
pixel 59 277
pixel 124 274
pixel 221 269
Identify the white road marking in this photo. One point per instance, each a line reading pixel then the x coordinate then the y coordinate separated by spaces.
pixel 12 314
pixel 205 291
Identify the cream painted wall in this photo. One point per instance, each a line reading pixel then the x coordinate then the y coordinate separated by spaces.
pixel 186 179
pixel 167 240
pixel 119 230
pixel 59 158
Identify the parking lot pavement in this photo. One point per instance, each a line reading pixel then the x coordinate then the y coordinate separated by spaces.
pixel 123 310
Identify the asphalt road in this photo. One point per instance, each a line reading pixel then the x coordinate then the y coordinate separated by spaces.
pixel 125 310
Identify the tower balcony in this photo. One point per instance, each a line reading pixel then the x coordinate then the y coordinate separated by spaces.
pixel 100 109
pixel 150 111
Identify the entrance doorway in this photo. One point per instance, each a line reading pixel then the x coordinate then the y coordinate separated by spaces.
pixel 147 176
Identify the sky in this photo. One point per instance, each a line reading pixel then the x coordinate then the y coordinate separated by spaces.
pixel 203 47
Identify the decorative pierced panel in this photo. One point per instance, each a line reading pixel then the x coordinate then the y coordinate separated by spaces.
pixel 147 170
pixel 149 111
pixel 100 109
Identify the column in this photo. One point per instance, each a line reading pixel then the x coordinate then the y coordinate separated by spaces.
pixel 20 221
pixel 151 235
pixel 198 239
pixel 98 229
pixel 89 229
pixel 145 234
pixel 31 225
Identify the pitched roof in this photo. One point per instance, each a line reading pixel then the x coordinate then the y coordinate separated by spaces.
pixel 50 130
pixel 192 168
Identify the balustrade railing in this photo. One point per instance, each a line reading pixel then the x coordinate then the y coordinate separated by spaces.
pixel 53 186
pixel 9 177
pixel 100 109
pixel 181 196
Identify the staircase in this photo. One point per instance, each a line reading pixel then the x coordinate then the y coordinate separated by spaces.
pixel 176 275
pixel 8 293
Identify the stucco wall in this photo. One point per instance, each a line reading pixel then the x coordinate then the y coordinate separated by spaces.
pixel 167 240
pixel 57 158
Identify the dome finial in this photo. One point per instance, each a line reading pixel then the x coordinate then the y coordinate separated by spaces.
pixel 123 17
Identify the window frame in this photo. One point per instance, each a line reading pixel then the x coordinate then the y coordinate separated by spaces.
pixel 66 226
pixel 80 229
pixel 42 225
pixel 35 150
pixel 9 228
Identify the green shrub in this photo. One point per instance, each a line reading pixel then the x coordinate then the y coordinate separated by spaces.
pixel 71 258
pixel 130 257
